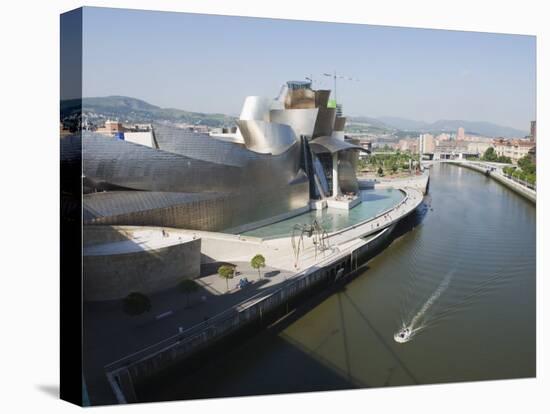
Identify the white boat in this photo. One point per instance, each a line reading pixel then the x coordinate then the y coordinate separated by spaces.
pixel 403 335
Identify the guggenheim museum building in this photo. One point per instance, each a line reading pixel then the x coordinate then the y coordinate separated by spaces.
pixel 286 155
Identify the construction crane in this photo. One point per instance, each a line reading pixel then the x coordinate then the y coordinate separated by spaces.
pixel 336 76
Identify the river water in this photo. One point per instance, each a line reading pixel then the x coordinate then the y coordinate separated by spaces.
pixel 473 243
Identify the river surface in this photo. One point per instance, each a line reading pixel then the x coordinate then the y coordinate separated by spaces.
pixel 468 267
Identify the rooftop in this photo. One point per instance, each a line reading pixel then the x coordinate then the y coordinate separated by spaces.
pixel 140 240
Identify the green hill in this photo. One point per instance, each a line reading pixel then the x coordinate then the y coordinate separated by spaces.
pixel 128 109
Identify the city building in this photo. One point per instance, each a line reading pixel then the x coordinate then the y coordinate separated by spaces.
pixel 478 148
pixel 478 138
pixel 111 128
pixel 460 134
pixel 451 149
pixel 137 133
pixel 533 154
pixel 513 148
pixel 533 134
pixel 426 143
pixel 403 144
pixel 367 146
pixel 408 144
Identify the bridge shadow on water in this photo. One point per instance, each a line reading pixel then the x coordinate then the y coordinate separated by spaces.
pixel 380 338
pixel 274 362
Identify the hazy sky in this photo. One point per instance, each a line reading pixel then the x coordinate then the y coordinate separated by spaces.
pixel 210 63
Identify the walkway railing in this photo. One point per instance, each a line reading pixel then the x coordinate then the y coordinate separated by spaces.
pixel 499 170
pixel 521 187
pixel 521 182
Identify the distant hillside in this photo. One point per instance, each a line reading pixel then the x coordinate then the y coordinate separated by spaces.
pixel 378 123
pixel 128 109
pixel 401 123
pixel 472 127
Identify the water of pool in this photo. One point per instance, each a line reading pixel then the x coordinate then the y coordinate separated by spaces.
pixel 373 203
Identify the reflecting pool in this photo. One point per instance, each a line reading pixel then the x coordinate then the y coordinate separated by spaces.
pixel 373 203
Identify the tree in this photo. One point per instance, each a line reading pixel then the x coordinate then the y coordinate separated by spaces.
pixel 527 165
pixel 380 171
pixel 226 272
pixel 188 286
pixel 503 159
pixel 136 303
pixel 362 164
pixel 531 179
pixel 490 154
pixel 258 262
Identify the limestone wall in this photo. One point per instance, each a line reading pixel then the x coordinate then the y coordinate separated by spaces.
pixel 113 276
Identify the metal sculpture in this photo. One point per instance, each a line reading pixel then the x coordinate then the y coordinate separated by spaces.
pixel 315 230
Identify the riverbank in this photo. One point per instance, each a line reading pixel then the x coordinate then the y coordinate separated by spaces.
pixel 494 171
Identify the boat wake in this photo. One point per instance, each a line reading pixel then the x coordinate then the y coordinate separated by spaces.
pixel 428 316
pixel 419 320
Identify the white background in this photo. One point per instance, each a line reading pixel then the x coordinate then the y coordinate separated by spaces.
pixel 29 297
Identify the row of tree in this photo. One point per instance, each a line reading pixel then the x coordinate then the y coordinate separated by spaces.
pixel 228 271
pixel 526 170
pixel 137 303
pixel 388 162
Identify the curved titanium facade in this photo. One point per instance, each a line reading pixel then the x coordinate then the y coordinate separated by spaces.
pixel 266 137
pixel 325 122
pixel 346 172
pixel 256 108
pixel 339 123
pixel 302 121
pixel 347 167
pixel 321 98
pixel 192 180
pixel 332 145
